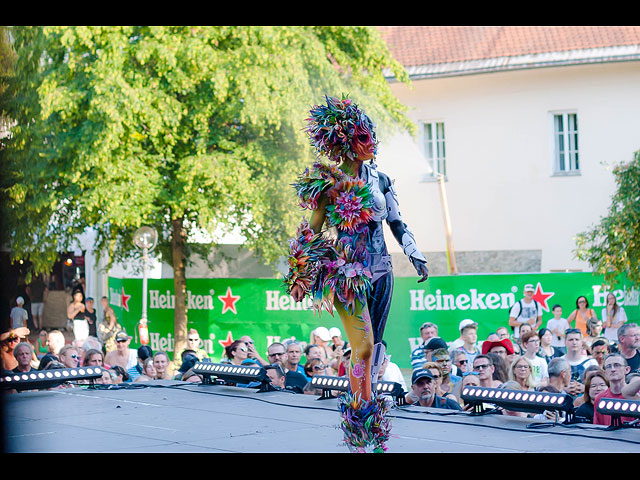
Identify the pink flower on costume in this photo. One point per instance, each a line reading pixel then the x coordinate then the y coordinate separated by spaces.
pixel 358 369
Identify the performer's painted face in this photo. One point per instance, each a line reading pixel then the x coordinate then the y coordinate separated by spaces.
pixel 363 143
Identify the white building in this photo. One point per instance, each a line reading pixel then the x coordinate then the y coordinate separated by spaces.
pixel 525 123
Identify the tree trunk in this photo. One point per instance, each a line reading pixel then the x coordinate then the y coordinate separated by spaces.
pixel 179 258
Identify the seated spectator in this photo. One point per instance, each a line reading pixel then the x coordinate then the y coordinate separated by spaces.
pixel 468 378
pixel 547 350
pixel 539 374
pixel 595 384
pixel 418 359
pixel 23 353
pixel 520 371
pixel 252 353
pixel 616 369
pixel 278 355
pixel 144 352
pixel 123 355
pixel 500 369
pixel 314 367
pixel 428 330
pixel 93 358
pixel 628 345
pixel 423 387
pixel 46 360
pixel 294 354
pixel 42 344
pixel 631 391
pixel 276 376
pixel 436 371
pixel 599 350
pixel 468 341
pixel 194 346
pixel 575 356
pixel 513 385
pixel 450 383
pixel 237 354
pixel 500 346
pixel 188 361
pixel 56 342
pixel 559 374
pixel 460 362
pixel 312 351
pixel 390 372
pixel 148 371
pixel 484 366
pixel 69 357
pixel 163 366
pixel 118 375
pixel 594 331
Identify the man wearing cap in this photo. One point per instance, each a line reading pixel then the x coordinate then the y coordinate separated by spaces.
pixel 19 315
pixel 502 347
pixel 321 337
pixel 524 311
pixel 424 353
pixel 423 387
pixel 123 355
pixel 468 341
pixel 428 330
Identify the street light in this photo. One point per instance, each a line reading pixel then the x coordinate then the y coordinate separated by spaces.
pixel 146 239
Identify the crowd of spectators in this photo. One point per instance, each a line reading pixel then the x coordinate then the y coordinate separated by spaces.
pixel 579 356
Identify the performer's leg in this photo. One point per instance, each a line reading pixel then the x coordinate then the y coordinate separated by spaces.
pixel 379 303
pixel 357 326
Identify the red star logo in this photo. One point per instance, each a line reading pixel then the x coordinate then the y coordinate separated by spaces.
pixel 125 299
pixel 542 297
pixel 229 301
pixel 227 342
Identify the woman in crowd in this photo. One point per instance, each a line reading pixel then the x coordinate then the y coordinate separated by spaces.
pixel 148 371
pixel 76 316
pixel 500 370
pixel 315 366
pixel 595 383
pixel 613 317
pixel 520 371
pixel 582 314
pixel 237 354
pixel 163 366
pixel 436 371
pixel 547 350
pixel 93 358
pixel 594 331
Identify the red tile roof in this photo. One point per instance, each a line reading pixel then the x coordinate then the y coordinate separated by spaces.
pixel 422 45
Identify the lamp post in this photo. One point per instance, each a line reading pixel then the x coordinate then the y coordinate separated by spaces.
pixel 146 239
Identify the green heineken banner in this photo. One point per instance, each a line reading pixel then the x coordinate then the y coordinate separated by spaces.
pixel 223 310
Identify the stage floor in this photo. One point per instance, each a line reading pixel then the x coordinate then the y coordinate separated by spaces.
pixel 179 417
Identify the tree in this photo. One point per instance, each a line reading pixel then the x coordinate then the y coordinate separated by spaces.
pixel 188 129
pixel 613 246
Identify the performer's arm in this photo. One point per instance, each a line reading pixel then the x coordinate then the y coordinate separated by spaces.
pixel 400 230
pixel 315 223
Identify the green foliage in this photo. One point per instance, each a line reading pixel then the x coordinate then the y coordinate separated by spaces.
pixel 121 126
pixel 613 246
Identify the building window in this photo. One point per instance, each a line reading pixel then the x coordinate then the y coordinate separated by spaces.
pixel 433 135
pixel 565 132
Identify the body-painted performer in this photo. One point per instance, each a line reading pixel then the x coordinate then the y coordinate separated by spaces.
pixel 350 270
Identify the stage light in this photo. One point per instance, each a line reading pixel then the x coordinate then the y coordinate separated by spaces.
pixel 327 384
pixel 43 379
pixel 517 400
pixel 618 408
pixel 228 373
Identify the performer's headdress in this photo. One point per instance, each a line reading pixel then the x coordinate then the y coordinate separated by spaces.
pixel 339 129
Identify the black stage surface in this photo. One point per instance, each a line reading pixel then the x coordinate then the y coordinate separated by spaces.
pixel 180 417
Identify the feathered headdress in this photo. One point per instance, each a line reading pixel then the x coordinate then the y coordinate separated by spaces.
pixel 332 128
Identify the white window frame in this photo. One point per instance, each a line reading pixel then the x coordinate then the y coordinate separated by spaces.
pixel 565 144
pixel 437 163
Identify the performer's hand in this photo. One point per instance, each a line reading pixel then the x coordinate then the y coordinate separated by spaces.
pixel 297 293
pixel 422 270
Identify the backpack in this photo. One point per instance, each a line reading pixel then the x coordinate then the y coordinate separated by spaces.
pixel 519 302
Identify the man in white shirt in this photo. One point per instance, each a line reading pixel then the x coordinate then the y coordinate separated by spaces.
pixel 558 326
pixel 577 360
pixel 524 311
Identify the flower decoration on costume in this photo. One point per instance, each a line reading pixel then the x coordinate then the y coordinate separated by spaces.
pixel 351 205
pixel 305 252
pixel 314 181
pixel 335 128
pixel 347 275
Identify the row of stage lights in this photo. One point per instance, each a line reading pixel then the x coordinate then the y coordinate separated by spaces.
pixel 480 398
pixel 36 380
